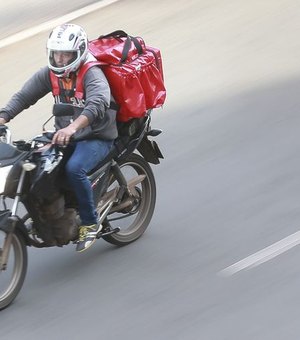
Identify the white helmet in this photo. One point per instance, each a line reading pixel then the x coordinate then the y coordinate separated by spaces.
pixel 67 38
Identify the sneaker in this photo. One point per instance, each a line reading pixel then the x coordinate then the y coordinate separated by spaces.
pixel 87 236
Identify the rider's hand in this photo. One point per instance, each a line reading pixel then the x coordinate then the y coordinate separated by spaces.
pixel 2 121
pixel 62 136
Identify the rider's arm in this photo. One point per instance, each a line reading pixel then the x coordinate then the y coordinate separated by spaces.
pixel 34 88
pixel 97 94
pixel 79 123
pixel 63 136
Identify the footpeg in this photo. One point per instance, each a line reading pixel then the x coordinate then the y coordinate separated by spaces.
pixel 107 231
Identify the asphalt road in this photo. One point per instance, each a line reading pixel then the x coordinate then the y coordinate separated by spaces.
pixel 229 185
pixel 17 15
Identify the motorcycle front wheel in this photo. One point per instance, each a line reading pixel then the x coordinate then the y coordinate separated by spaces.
pixel 12 277
pixel 133 219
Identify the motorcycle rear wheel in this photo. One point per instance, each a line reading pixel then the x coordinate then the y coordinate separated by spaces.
pixel 12 278
pixel 133 221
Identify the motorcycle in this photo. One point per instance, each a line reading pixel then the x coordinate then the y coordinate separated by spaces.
pixel 39 209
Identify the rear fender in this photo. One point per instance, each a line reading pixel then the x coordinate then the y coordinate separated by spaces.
pixel 150 150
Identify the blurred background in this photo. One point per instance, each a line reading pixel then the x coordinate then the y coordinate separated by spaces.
pixel 229 185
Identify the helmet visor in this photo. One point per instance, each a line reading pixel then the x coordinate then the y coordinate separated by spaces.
pixel 62 59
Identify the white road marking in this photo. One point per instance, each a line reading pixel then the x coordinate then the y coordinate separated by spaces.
pixel 52 23
pixel 263 255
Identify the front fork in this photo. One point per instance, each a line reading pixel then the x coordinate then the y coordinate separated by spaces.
pixel 10 224
pixel 5 250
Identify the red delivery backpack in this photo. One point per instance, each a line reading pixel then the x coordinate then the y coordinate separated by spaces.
pixel 134 72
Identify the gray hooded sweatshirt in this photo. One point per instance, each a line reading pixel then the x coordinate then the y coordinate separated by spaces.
pixel 95 104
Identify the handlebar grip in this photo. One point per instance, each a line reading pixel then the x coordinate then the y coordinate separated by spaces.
pixel 3 128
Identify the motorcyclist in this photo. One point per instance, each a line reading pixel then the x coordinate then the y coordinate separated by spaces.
pixel 93 122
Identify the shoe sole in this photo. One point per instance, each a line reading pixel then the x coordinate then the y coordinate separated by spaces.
pixel 82 250
pixel 100 227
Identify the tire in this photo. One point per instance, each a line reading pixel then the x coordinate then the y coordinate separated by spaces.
pixel 134 223
pixel 12 279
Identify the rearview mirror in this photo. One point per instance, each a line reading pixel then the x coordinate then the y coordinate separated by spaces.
pixel 60 110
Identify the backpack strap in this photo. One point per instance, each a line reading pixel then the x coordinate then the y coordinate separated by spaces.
pixel 55 84
pixel 79 92
pixel 127 43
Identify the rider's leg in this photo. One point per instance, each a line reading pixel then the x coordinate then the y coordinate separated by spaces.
pixel 87 154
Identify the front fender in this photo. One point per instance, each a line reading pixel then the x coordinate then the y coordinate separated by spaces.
pixel 9 223
pixel 5 221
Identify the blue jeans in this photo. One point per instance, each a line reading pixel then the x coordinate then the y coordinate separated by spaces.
pixel 86 155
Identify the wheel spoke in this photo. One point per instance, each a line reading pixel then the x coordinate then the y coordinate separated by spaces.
pixel 133 214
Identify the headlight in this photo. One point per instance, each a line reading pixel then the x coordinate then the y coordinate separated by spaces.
pixel 3 176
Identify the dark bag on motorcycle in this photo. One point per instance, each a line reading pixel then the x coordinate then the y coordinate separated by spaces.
pixel 134 72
